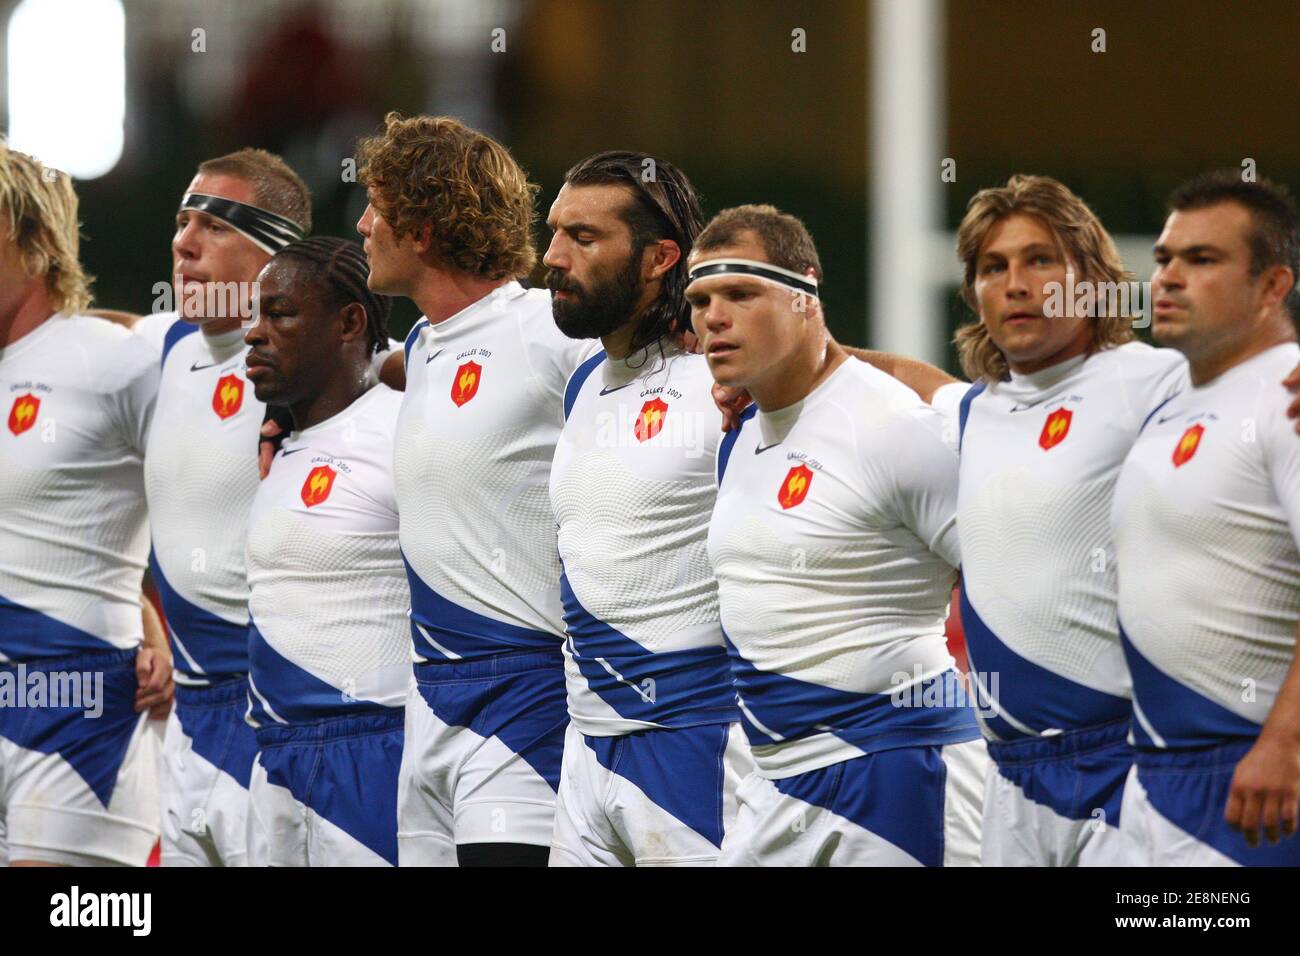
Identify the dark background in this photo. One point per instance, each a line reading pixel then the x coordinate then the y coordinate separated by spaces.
pixel 712 85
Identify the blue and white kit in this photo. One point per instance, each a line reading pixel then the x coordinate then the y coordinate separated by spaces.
pixel 200 476
pixel 834 541
pixel 1039 457
pixel 654 754
pixel 329 652
pixel 78 766
pixel 485 710
pixel 1207 538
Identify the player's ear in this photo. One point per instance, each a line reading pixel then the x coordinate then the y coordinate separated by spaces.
pixel 664 254
pixel 1278 282
pixel 352 322
pixel 423 238
pixel 814 309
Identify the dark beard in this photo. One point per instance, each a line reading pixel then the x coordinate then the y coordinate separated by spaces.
pixel 601 310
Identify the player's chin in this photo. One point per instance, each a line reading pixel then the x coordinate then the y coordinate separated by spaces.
pixel 726 371
pixel 1028 346
pixel 1167 330
pixel 376 282
pixel 266 386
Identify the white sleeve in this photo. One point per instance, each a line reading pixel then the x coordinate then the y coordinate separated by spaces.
pixel 133 391
pixel 922 469
pixel 380 357
pixel 947 399
pixel 1281 448
pixel 1175 379
pixel 558 357
pixel 153 328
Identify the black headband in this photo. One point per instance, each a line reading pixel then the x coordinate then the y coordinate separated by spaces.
pixel 266 230
pixel 760 270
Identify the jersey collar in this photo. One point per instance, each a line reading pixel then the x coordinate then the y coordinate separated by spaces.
pixel 1047 377
pixel 226 343
pixel 616 373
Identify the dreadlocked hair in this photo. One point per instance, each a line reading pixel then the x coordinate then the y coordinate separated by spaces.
pixel 342 268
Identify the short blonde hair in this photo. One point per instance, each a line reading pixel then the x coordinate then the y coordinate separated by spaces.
pixel 276 187
pixel 38 211
pixel 1078 233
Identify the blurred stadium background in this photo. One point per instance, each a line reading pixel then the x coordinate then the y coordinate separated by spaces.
pixel 850 133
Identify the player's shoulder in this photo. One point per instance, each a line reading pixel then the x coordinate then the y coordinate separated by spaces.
pixel 531 310
pixel 1141 376
pixel 873 397
pixel 170 337
pixel 1264 385
pixel 91 329
pixel 366 429
pixel 112 356
pixel 531 301
pixel 1278 360
pixel 681 368
pixel 888 430
pixel 154 327
pixel 1137 360
pixel 875 412
pixel 381 408
pixel 880 384
pixel 948 399
pixel 528 310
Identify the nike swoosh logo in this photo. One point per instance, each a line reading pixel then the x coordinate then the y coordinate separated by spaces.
pixel 1167 418
pixel 759 449
pixel 607 390
pixel 1023 408
pixel 196 367
pixel 433 356
pixel 286 454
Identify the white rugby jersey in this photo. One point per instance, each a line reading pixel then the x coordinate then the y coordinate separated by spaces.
pixel 1206 525
pixel 201 475
pixel 1039 457
pixel 834 540
pixel 633 487
pixel 328 592
pixel 77 395
pixel 480 417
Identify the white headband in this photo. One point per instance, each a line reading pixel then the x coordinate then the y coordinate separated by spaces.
pixel 759 270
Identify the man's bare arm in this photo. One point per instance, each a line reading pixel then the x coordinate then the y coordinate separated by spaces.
pixel 393 372
pixel 1265 790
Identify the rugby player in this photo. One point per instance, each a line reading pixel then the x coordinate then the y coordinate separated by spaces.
pixel 329 655
pixel 1207 538
pixel 1060 394
pixel 654 752
pixel 78 771
pixel 200 476
pixel 448 225
pixel 834 543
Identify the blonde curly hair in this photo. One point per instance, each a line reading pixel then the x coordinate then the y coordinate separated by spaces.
pixel 1081 238
pixel 38 212
pixel 435 170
